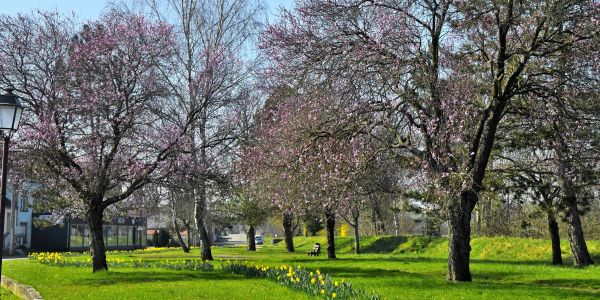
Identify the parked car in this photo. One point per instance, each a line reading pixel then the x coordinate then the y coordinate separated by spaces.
pixel 258 240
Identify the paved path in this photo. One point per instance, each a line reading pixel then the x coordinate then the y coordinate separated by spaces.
pixel 13 258
pixel 238 238
pixel 232 239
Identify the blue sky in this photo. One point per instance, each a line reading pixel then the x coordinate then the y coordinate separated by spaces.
pixel 90 9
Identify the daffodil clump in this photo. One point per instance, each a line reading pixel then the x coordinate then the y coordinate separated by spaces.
pixel 58 259
pixel 148 250
pixel 48 257
pixel 143 250
pixel 188 265
pixel 315 283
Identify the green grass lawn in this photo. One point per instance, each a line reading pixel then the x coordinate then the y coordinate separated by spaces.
pixel 394 267
pixel 6 295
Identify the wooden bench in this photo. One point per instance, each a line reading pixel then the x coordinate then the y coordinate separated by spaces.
pixel 316 250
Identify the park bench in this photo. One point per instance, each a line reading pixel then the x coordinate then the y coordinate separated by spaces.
pixel 316 250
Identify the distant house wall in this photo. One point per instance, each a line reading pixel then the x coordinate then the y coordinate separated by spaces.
pixel 18 215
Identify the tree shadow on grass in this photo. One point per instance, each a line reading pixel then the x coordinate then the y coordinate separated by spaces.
pixel 556 288
pixel 487 281
pixel 509 290
pixel 418 259
pixel 513 262
pixel 302 245
pixel 438 275
pixel 579 283
pixel 385 244
pixel 349 272
pixel 345 244
pixel 118 277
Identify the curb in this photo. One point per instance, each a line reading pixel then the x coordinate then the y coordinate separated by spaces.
pixel 20 290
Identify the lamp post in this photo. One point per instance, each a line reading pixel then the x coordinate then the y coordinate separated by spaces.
pixel 10 116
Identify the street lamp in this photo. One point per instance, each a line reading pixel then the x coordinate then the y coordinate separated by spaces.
pixel 10 116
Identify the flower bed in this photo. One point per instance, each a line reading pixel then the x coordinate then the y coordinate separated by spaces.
pixel 57 259
pixel 315 283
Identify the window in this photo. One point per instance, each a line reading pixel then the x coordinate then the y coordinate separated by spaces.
pixel 105 234
pixel 86 236
pixel 142 236
pixel 24 201
pixel 8 220
pixel 131 235
pixel 112 232
pixel 76 238
pixel 22 230
pixel 122 235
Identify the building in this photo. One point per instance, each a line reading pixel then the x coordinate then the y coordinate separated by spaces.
pixel 18 222
pixel 60 234
pixel 72 234
pixel 26 229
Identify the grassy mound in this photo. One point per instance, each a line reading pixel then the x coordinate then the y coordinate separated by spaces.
pixel 483 248
pixel 405 267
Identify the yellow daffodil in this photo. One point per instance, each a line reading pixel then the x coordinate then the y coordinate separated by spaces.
pixel 333 295
pixel 322 292
pixel 313 281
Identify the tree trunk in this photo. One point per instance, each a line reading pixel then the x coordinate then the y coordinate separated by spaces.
pixel 396 225
pixel 479 218
pixel 97 249
pixel 354 224
pixel 330 224
pixel 189 233
pixel 205 251
pixel 200 206
pixel 356 240
pixel 288 232
pixel 184 247
pixel 555 237
pixel 459 247
pixel 578 244
pixel 489 217
pixel 378 220
pixel 574 229
pixel 250 236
